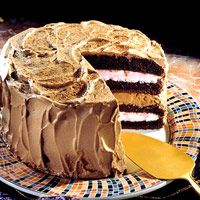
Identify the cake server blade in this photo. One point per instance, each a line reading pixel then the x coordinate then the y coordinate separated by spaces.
pixel 159 159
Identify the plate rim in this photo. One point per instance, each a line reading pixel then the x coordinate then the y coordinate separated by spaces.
pixel 123 196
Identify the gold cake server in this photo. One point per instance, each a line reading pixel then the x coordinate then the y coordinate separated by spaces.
pixel 159 159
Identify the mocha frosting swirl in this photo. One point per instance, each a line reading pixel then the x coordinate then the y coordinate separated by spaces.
pixel 58 114
pixel 50 60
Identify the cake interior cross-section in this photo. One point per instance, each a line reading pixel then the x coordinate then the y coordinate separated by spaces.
pixel 139 85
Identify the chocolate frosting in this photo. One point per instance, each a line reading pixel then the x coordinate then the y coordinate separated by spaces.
pixel 141 99
pixel 58 113
pixel 51 59
pixel 80 142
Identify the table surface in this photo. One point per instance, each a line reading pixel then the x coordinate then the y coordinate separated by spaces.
pixel 183 70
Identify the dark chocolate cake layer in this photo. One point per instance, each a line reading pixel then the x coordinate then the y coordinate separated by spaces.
pixel 143 124
pixel 147 109
pixel 125 63
pixel 147 88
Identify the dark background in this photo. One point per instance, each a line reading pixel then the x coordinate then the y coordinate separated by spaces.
pixel 174 24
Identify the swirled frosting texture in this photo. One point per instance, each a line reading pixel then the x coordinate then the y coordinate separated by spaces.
pixel 58 114
pixel 51 58
pixel 81 142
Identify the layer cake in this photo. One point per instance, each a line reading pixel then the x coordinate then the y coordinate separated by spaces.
pixel 59 115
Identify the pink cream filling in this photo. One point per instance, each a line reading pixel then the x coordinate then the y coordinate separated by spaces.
pixel 128 76
pixel 137 117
